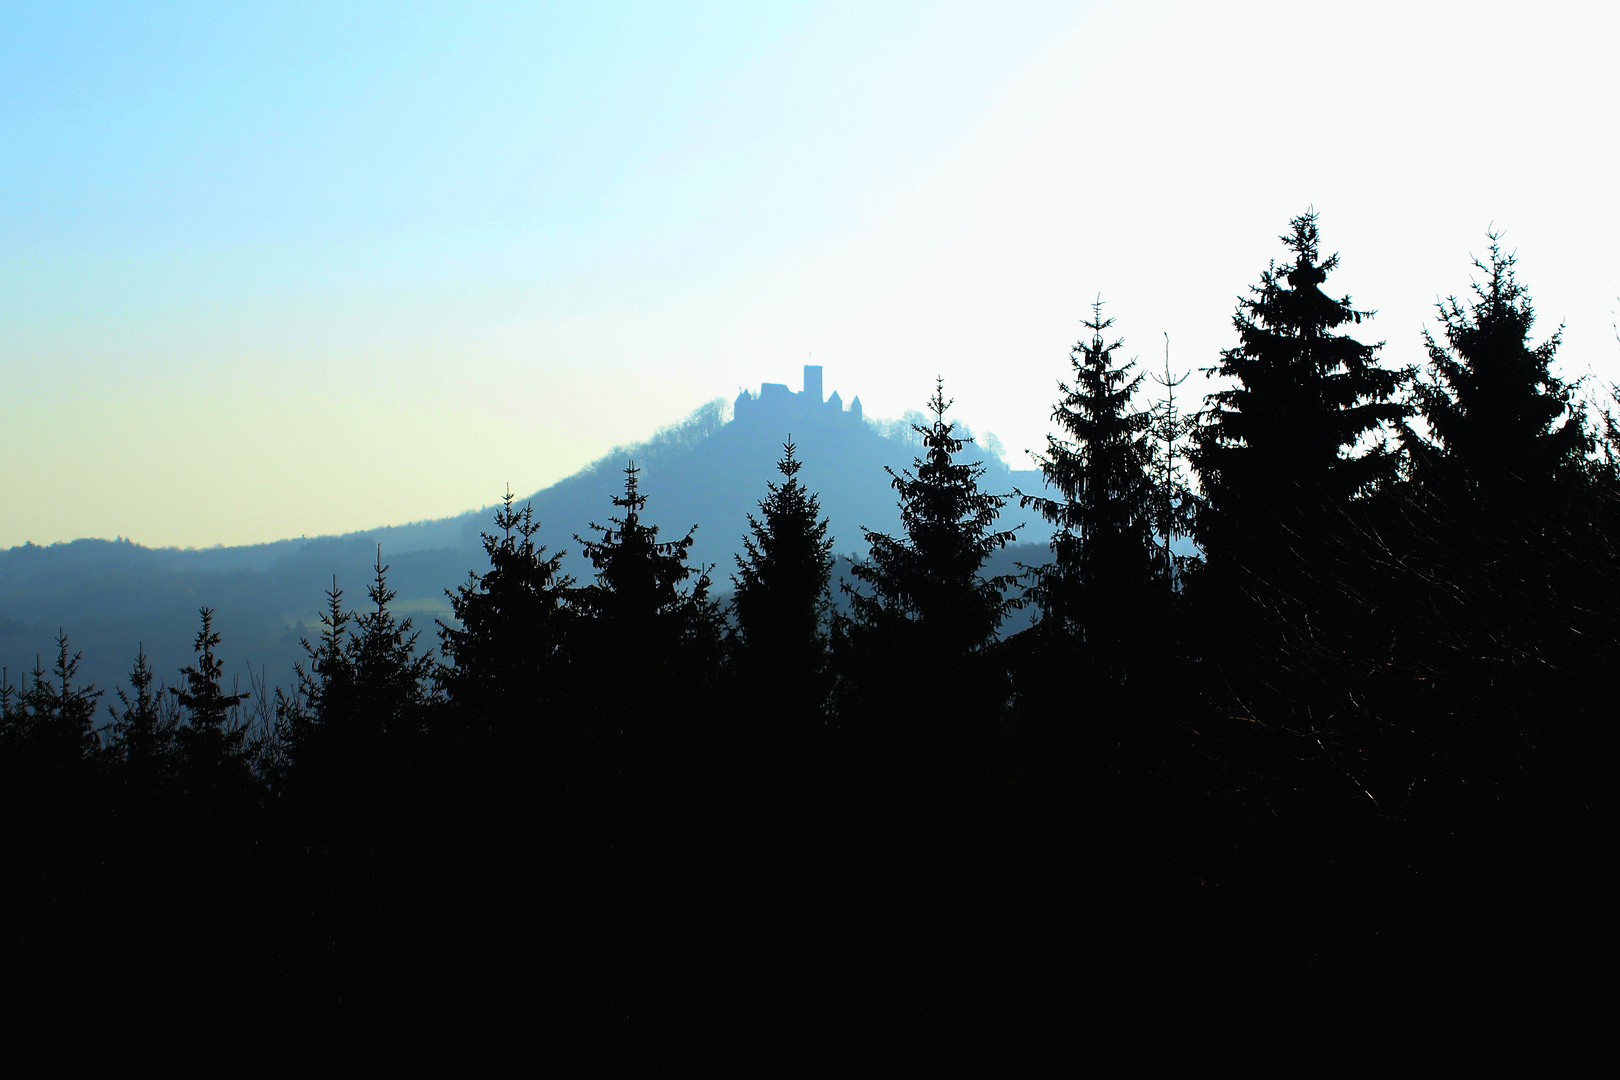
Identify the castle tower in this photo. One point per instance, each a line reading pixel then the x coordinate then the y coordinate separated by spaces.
pixel 812 382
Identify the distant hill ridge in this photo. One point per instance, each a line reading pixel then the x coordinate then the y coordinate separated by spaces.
pixel 709 470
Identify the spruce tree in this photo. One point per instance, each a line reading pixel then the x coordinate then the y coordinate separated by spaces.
pixel 780 598
pixel 352 732
pixel 923 616
pixel 648 641
pixel 65 712
pixel 53 818
pixel 1291 599
pixel 325 687
pixel 1297 434
pixel 48 734
pixel 506 654
pixel 391 681
pixel 316 725
pixel 213 751
pixel 144 733
pixel 1174 502
pixel 1501 425
pixel 208 731
pixel 1512 586
pixel 638 588
pixel 1103 468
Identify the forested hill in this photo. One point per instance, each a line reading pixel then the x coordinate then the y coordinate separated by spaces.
pixel 115 597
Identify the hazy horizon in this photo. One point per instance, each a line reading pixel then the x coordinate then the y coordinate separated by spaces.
pixel 309 270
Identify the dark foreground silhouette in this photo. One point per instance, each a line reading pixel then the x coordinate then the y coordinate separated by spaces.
pixel 1365 743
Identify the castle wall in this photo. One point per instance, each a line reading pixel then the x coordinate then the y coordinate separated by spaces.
pixel 775 399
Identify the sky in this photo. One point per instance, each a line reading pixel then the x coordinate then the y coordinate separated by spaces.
pixel 295 269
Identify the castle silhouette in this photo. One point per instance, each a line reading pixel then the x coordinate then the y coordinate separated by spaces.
pixel 776 400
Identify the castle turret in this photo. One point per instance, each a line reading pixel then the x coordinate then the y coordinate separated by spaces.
pixel 835 403
pixel 855 407
pixel 812 382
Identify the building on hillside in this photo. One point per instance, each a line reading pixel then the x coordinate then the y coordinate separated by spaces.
pixel 775 401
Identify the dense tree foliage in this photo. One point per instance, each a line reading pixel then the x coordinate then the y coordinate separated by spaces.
pixel 212 740
pixel 1289 453
pixel 922 611
pixel 1297 432
pixel 648 642
pixel 503 672
pixel 1105 599
pixel 780 602
pixel 1103 467
pixel 52 721
pixel 638 597
pixel 324 699
pixel 1501 425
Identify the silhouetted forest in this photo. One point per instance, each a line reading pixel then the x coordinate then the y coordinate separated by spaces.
pixel 117 597
pixel 1363 737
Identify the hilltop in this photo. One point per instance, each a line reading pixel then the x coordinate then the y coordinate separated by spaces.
pixel 710 470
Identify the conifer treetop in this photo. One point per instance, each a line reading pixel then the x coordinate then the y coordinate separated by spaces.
pixel 512 618
pixel 1491 402
pixel 931 575
pixel 383 655
pixel 786 564
pixel 637 575
pixel 206 705
pixel 1102 465
pixel 1304 400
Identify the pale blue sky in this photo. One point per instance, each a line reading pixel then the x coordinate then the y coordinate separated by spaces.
pixel 276 270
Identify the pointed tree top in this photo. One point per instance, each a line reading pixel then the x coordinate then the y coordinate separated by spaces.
pixel 937 404
pixel 790 465
pixel 632 500
pixel 1304 238
pixel 1097 324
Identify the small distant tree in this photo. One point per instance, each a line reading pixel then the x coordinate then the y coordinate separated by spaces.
pixel 1173 499
pixel 391 680
pixel 325 684
pixel 208 733
pixel 50 725
pixel 353 727
pixel 70 709
pixel 315 723
pixel 213 752
pixel 9 705
pixel 51 808
pixel 144 734
pixel 780 597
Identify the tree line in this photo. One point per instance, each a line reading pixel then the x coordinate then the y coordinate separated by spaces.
pixel 1379 687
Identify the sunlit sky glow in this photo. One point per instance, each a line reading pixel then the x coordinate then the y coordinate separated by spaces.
pixel 278 270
